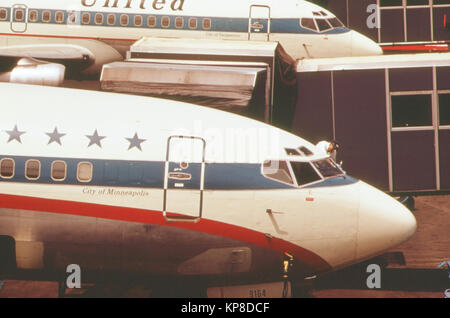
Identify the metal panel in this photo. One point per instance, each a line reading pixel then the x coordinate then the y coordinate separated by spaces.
pixel 411 79
pixel 392 26
pixel 413 159
pixel 444 158
pixel 360 112
pixel 418 24
pixel 313 117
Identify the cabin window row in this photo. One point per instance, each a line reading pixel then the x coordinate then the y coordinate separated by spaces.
pixel 58 170
pixel 138 20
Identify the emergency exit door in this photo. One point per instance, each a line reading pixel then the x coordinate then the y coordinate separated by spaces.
pixel 19 18
pixel 259 23
pixel 184 178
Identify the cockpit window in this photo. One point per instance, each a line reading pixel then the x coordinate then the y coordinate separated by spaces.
pixel 306 151
pixel 328 168
pixel 336 23
pixel 277 170
pixel 308 24
pixel 323 25
pixel 304 173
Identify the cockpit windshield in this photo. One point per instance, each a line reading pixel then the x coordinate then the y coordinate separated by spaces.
pixel 328 168
pixel 321 24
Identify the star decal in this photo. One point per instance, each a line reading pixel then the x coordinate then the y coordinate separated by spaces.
pixel 95 139
pixel 135 142
pixel 55 136
pixel 15 134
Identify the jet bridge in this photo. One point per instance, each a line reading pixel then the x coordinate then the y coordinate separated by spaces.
pixel 237 76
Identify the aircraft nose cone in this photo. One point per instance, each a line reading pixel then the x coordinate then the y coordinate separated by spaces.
pixel 363 46
pixel 383 223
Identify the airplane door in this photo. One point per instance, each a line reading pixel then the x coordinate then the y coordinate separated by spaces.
pixel 184 179
pixel 259 23
pixel 19 18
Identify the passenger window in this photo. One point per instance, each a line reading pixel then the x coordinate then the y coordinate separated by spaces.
pixel 206 24
pixel 59 170
pixel 277 170
pixel 124 20
pixel 138 20
pixel 99 18
pixel 308 23
pixel 111 19
pixel 165 22
pixel 19 15
pixel 7 168
pixel 323 25
pixel 193 23
pixel 32 169
pixel 3 14
pixel 179 22
pixel 304 173
pixel 84 171
pixel 328 168
pixel 411 110
pixel 33 16
pixel 46 16
pixel 85 18
pixel 72 18
pixel 151 21
pixel 59 17
pixel 444 109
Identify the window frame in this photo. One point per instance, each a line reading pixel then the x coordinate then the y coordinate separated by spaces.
pixel 16 11
pixel 204 20
pixel 287 162
pixel 44 13
pixel 4 10
pixel 98 14
pixel 429 93
pixel 165 18
pixel 109 16
pixel 321 177
pixel 308 28
pixel 136 17
pixel 65 170
pixel 153 19
pixel 196 23
pixel 26 168
pixel 13 168
pixel 59 12
pixel 83 15
pixel 30 18
pixel 91 171
pixel 122 16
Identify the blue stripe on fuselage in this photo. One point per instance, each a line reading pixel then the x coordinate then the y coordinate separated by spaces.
pixel 218 24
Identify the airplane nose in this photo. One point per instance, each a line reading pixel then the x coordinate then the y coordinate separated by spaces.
pixel 383 223
pixel 363 46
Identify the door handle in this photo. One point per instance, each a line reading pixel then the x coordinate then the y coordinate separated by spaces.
pixel 180 176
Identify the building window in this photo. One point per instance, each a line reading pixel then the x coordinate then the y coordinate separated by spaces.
pixel 7 168
pixel 84 171
pixel 59 17
pixel 151 21
pixel 206 24
pixel 19 15
pixel 391 3
pixel 99 18
pixel 32 169
pixel 179 22
pixel 193 23
pixel 411 111
pixel 138 20
pixel 3 14
pixel 59 170
pixel 33 16
pixel 417 2
pixel 124 19
pixel 85 18
pixel 165 22
pixel 46 16
pixel 444 109
pixel 111 19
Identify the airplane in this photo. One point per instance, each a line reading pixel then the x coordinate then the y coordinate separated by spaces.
pixel 85 34
pixel 147 187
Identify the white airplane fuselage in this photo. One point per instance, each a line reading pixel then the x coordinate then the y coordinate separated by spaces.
pixel 304 29
pixel 130 184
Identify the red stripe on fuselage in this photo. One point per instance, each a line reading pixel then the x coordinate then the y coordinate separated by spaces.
pixel 156 218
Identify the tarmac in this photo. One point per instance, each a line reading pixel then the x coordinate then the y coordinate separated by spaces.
pixel 414 273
